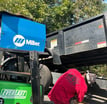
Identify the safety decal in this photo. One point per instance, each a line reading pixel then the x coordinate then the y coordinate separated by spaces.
pixel 101 44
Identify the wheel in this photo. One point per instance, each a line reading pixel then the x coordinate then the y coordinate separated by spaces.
pixel 46 77
pixel 10 65
pixel 45 74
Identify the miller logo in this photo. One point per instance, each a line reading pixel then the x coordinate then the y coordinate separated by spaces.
pixel 19 40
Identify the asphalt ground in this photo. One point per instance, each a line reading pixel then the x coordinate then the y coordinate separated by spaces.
pixel 95 94
pixel 98 96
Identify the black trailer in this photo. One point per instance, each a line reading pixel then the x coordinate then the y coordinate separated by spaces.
pixel 81 44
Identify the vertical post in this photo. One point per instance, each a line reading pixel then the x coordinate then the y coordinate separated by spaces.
pixel 35 77
pixel 61 43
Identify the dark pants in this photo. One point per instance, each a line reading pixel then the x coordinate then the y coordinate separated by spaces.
pixel 73 101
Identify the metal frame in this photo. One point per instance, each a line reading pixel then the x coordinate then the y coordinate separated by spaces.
pixel 34 66
pixel 35 77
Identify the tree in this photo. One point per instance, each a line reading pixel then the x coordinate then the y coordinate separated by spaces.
pixel 27 8
pixel 69 12
pixel 65 13
pixel 60 15
pixel 85 9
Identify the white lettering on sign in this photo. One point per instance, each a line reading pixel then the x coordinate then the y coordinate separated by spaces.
pixel 12 93
pixel 32 42
pixel 20 41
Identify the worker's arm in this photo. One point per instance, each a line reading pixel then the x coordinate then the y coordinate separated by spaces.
pixel 81 93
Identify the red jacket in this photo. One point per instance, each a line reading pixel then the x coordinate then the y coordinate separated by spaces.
pixel 71 83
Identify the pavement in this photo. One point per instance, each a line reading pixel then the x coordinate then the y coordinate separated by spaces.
pixel 95 95
pixel 99 97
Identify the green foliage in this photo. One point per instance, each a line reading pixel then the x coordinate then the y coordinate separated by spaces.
pixel 60 16
pixel 100 70
pixel 85 9
pixel 15 6
pixel 56 14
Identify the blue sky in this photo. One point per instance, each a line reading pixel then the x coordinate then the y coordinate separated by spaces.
pixel 105 1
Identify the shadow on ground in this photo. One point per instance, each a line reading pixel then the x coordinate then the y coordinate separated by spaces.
pixel 96 95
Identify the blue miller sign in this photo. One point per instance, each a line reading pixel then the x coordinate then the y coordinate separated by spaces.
pixel 22 34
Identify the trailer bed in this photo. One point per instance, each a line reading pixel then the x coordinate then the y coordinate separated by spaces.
pixel 84 43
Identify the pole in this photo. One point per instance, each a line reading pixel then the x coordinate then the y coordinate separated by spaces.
pixel 35 77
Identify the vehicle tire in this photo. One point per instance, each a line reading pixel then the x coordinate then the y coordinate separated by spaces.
pixel 45 74
pixel 46 77
pixel 9 65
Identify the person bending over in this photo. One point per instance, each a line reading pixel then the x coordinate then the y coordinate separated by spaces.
pixel 70 85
